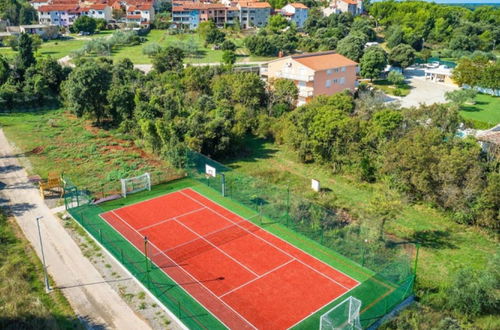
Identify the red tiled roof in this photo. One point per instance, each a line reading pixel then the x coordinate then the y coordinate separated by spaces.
pixel 351 2
pixel 49 8
pixel 298 5
pixel 256 5
pixel 134 16
pixel 98 6
pixel 323 60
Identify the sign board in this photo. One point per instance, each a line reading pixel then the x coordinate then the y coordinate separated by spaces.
pixel 315 185
pixel 210 170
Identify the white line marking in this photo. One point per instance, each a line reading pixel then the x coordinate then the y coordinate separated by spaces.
pixel 146 200
pixel 189 274
pixel 170 219
pixel 257 278
pixel 215 246
pixel 302 262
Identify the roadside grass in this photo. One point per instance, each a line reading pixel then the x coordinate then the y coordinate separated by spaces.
pixel 445 245
pixel 57 141
pixel 23 301
pixel 388 88
pixel 485 113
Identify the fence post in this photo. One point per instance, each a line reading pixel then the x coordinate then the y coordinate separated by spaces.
pixel 287 204
pixel 146 259
pixel 100 235
pixel 121 255
pixel 223 184
pixel 260 212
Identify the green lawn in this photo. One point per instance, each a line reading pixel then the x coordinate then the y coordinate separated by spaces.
pixel 388 88
pixel 61 48
pixel 485 113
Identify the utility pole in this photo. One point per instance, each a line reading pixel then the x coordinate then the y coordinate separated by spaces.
pixel 47 286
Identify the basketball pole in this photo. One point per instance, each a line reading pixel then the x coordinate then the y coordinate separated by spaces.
pixel 46 277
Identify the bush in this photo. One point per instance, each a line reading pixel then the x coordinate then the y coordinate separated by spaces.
pixel 228 45
pixel 396 78
pixel 151 49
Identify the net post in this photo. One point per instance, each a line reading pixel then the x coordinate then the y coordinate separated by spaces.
pixel 146 259
pixel 223 184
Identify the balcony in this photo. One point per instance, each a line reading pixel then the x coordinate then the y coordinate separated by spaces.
pixel 306 91
pixel 297 77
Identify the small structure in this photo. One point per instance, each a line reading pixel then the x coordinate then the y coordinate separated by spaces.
pixel 354 7
pixel 52 183
pixel 440 74
pixel 490 141
pixel 295 12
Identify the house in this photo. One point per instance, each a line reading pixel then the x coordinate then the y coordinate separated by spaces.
pixel 355 7
pixel 140 14
pixel 440 74
pixel 254 14
pixel 44 31
pixel 321 73
pixel 100 11
pixel 61 14
pixel 295 12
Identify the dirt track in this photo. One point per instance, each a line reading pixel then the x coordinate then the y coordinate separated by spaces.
pixel 93 300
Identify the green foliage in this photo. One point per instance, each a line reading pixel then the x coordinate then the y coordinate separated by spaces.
pixel 17 12
pixel 396 78
pixel 25 58
pixel 215 37
pixel 228 45
pixel 373 62
pixel 261 46
pixel 283 94
pixel 402 56
pixel 85 24
pixel 168 59
pixel 352 46
pixel 478 71
pixel 461 96
pixel 277 23
pixel 228 57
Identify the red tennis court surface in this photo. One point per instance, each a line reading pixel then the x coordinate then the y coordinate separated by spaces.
pixel 242 274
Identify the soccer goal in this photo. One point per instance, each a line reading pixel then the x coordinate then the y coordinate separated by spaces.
pixel 343 316
pixel 136 184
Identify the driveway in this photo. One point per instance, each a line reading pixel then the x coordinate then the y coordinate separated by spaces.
pixel 423 91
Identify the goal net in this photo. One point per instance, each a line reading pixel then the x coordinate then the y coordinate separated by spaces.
pixel 343 316
pixel 135 184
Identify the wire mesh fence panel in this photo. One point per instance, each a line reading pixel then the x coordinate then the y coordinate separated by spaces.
pixel 344 316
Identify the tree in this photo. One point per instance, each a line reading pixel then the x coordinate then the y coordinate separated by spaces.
pixel 85 90
pixel 460 96
pixel 373 62
pixel 277 23
pixel 384 207
pixel 402 56
pixel 25 58
pixel 283 94
pixel 352 46
pixel 204 28
pixel 4 70
pixel 260 46
pixel 215 36
pixel 396 78
pixel 394 36
pixel 168 59
pixel 228 57
pixel 36 41
pixel 228 45
pixel 52 72
pixel 85 24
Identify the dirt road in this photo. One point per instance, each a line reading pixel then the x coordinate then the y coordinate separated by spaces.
pixel 93 300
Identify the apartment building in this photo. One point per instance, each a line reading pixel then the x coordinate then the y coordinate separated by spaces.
pixel 322 73
pixel 249 14
pixel 141 13
pixel 98 11
pixel 355 7
pixel 61 15
pixel 295 12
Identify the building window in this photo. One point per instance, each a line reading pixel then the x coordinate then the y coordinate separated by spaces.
pixel 329 71
pixel 335 81
pixel 343 69
pixel 342 81
pixel 328 83
pixel 336 69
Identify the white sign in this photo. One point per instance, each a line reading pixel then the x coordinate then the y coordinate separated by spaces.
pixel 209 170
pixel 315 185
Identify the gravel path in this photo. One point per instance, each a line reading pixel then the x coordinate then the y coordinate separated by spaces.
pixel 93 300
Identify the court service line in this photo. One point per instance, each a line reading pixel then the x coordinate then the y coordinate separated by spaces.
pixel 215 246
pixel 257 278
pixel 170 219
pixel 288 254
pixel 188 274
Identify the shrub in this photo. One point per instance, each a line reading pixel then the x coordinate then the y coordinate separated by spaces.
pixel 396 78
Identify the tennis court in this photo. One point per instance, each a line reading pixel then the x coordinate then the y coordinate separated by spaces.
pixel 245 276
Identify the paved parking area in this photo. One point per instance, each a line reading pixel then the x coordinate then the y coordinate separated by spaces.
pixel 423 91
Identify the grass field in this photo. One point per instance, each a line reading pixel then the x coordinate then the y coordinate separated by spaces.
pixel 485 113
pixel 23 301
pixel 60 48
pixel 445 245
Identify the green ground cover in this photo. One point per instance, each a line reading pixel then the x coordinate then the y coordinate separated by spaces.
pixel 60 48
pixel 23 301
pixel 485 113
pixel 445 245
pixel 389 88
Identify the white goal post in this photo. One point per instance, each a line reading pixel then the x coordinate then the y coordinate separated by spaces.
pixel 136 184
pixel 343 316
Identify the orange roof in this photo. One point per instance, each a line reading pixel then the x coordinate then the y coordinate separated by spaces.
pixel 351 2
pixel 50 8
pixel 134 16
pixel 298 5
pixel 323 60
pixel 257 5
pixel 98 6
pixel 131 8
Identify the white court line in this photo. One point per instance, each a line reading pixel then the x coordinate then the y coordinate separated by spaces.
pixel 170 219
pixel 191 276
pixel 146 200
pixel 215 246
pixel 197 239
pixel 257 278
pixel 321 273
